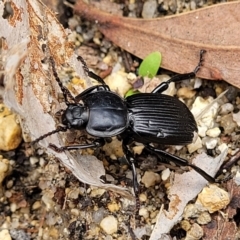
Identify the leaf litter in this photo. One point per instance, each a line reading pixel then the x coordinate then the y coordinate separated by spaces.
pixel 179 38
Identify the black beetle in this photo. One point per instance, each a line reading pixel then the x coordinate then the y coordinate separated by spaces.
pixel 145 117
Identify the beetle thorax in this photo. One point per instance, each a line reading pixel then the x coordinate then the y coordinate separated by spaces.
pixel 75 116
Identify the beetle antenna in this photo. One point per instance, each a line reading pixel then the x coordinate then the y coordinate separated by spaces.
pixel 202 52
pixel 90 73
pixel 59 129
pixel 65 91
pixel 85 67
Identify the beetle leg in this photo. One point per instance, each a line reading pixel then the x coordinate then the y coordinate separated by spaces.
pixel 179 77
pixel 180 162
pixel 90 73
pixel 164 85
pixel 131 162
pixel 95 144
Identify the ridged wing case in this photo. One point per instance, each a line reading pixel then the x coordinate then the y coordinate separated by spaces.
pixel 160 119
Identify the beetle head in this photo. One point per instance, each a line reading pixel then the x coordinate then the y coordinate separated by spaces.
pixel 75 116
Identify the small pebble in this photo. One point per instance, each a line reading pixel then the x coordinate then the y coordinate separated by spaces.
pixel 114 149
pixel 36 205
pixel 149 9
pixel 94 230
pixel 33 160
pixel 98 215
pixel 13 207
pixel 109 224
pixel 193 5
pixel 42 162
pixel 138 149
pixel 195 145
pixel 17 234
pixel 144 213
pixel 10 130
pixel 237 178
pixel 5 168
pixel 193 210
pixel 51 218
pixel 202 131
pixel 131 77
pixel 131 5
pixel 165 174
pixel 222 147
pixel 47 199
pixel 73 194
pixel 34 223
pixel 118 82
pixel 185 92
pixel 113 207
pixel 213 198
pixel 54 233
pixel 153 214
pixel 236 118
pixel 150 178
pixel 185 224
pixel 195 232
pixel 226 108
pixel 97 192
pixel 52 167
pixel 213 132
pixel 142 197
pixel 204 218
pixel 8 194
pixel 109 178
pixel 210 143
pixel 197 83
pixel 232 93
pixel 108 59
pixel 5 235
pixel 172 5
pixel 75 212
pixel 139 232
pixel 228 124
pixel 199 105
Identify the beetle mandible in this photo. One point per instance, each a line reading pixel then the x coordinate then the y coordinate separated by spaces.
pixel 145 117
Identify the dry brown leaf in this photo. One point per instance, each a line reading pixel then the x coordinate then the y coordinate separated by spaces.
pixel 179 38
pixel 30 88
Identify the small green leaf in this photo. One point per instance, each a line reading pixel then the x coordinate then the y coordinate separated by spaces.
pixel 131 92
pixel 150 65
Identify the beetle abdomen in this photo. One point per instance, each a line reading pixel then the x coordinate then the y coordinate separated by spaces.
pixel 161 119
